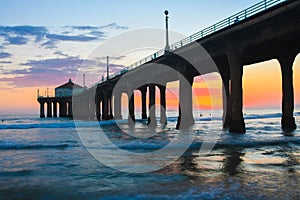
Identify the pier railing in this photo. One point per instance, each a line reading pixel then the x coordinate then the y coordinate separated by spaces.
pixel 234 19
pixel 49 92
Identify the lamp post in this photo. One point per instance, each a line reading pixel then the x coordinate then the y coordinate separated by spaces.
pixel 167 48
pixel 83 76
pixel 107 67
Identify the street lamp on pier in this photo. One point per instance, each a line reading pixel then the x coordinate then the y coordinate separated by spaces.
pixel 107 68
pixel 167 48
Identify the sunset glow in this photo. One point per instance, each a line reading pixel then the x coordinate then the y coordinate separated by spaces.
pixel 261 87
pixel 46 56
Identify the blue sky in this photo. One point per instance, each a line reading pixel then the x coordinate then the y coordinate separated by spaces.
pixel 186 16
pixel 51 38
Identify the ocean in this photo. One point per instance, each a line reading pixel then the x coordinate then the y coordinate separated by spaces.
pixel 50 159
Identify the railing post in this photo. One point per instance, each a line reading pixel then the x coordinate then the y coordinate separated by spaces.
pixel 265 1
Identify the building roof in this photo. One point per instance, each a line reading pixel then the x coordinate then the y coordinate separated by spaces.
pixel 69 85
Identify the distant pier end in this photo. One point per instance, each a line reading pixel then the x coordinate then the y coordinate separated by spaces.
pixel 61 101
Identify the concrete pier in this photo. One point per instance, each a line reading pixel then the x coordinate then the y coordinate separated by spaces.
pixel 54 109
pixel 98 108
pixel 110 106
pixel 70 111
pixel 143 90
pixel 49 109
pixel 272 33
pixel 286 64
pixel 152 112
pixel 237 124
pixel 163 116
pixel 226 99
pixel 42 110
pixel 105 115
pixel 185 118
pixel 117 106
pixel 131 116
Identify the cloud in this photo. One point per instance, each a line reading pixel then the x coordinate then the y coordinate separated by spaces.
pixel 113 26
pixel 82 27
pixel 5 62
pixel 77 38
pixel 17 40
pixel 97 33
pixel 53 66
pixel 54 71
pixel 50 44
pixel 44 72
pixel 40 70
pixel 33 80
pixel 60 53
pixel 19 34
pixel 5 55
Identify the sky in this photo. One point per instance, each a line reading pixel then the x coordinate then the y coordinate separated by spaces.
pixel 44 43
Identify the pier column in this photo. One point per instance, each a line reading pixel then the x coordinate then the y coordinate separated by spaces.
pixel 49 109
pixel 70 110
pixel 42 110
pixel 226 102
pixel 117 105
pixel 237 124
pixel 110 115
pixel 131 117
pixel 91 108
pixel 54 109
pixel 62 109
pixel 65 109
pixel 185 118
pixel 143 90
pixel 105 107
pixel 286 64
pixel 152 115
pixel 163 117
pixel 98 109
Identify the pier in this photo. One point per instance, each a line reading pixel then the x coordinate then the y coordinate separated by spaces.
pixel 267 30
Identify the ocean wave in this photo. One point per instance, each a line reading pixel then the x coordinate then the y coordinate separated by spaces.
pixel 37 125
pixel 21 172
pixel 34 146
pixel 221 143
pixel 47 123
pixel 262 116
pixel 142 145
pixel 249 143
pixel 62 124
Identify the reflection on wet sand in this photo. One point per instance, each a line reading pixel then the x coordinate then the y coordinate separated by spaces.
pixel 232 161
